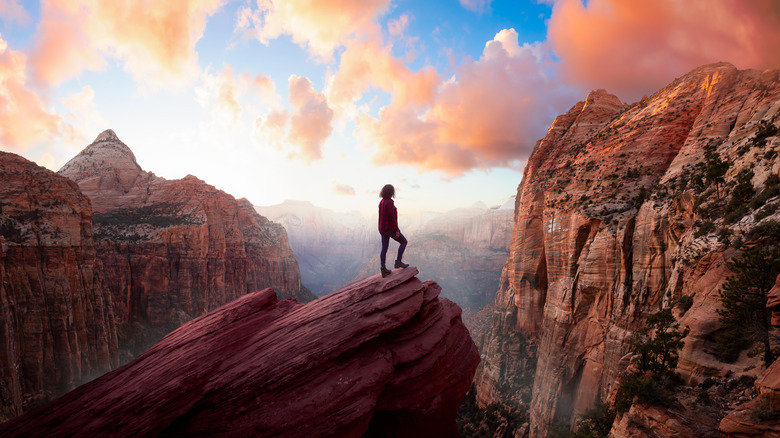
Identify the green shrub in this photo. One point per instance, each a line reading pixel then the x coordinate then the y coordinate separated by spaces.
pixel 743 296
pixel 704 229
pixel 684 303
pixel 656 348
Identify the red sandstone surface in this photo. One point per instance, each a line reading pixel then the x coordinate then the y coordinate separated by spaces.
pixel 56 316
pixel 590 258
pixel 382 356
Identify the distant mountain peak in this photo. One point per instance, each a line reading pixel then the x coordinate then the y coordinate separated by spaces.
pixel 106 154
pixel 106 135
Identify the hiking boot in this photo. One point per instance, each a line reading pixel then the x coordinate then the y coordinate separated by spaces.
pixel 385 272
pixel 400 264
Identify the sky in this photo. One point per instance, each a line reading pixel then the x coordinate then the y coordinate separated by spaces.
pixel 327 101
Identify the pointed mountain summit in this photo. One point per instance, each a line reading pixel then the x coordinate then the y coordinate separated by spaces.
pixel 106 164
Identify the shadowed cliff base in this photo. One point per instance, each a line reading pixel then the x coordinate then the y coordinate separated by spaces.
pixel 382 357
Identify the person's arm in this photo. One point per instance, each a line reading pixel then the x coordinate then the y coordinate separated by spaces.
pixel 394 219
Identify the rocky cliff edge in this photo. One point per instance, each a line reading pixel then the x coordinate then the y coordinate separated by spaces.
pixel 383 355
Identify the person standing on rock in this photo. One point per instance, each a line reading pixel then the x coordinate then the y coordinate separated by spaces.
pixel 388 228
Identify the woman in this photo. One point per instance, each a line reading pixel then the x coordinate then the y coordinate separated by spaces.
pixel 388 228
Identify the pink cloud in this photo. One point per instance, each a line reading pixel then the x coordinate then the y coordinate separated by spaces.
pixel 24 119
pixel 478 6
pixel 366 63
pixel 398 26
pixel 272 128
pixel 155 40
pixel 12 11
pixel 489 114
pixel 321 26
pixel 344 189
pixel 636 47
pixel 311 119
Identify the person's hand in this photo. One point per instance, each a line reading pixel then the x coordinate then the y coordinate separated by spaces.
pixel 397 234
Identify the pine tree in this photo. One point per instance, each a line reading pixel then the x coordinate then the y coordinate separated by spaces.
pixel 744 314
pixel 656 348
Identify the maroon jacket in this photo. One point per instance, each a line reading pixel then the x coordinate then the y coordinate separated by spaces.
pixel 388 216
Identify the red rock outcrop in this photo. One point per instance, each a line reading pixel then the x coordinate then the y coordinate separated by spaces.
pixel 605 235
pixel 173 250
pixel 56 319
pixel 384 356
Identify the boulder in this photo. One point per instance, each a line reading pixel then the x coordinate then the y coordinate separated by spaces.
pixel 383 356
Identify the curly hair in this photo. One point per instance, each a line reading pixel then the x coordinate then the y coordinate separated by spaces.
pixel 388 191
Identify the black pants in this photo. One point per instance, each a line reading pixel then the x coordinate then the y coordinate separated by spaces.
pixel 386 242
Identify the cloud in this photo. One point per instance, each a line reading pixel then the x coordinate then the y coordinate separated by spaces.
pixel 344 189
pixel 398 26
pixel 154 40
pixel 318 25
pixel 478 6
pixel 366 63
pixel 311 119
pixel 272 128
pixel 82 117
pixel 221 93
pixel 24 119
pixel 636 47
pixel 489 114
pixel 12 11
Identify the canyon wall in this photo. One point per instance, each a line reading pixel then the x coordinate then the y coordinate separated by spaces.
pixel 608 229
pixel 57 325
pixel 173 250
pixel 382 357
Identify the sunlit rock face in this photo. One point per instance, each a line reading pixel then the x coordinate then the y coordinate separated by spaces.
pixel 382 357
pixel 605 235
pixel 56 317
pixel 175 249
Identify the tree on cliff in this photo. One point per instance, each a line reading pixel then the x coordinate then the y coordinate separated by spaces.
pixel 655 359
pixel 744 315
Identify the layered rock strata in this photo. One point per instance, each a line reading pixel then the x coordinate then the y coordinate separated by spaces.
pixel 175 249
pixel 57 324
pixel 608 231
pixel 383 357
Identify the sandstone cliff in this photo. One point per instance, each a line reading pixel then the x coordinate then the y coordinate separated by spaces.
pixel 610 226
pixel 384 357
pixel 173 250
pixel 56 318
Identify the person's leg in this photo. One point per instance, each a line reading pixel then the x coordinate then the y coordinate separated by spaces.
pixel 402 240
pixel 383 253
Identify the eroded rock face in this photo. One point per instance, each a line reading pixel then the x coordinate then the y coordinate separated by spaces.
pixel 604 236
pixel 383 355
pixel 174 250
pixel 57 324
